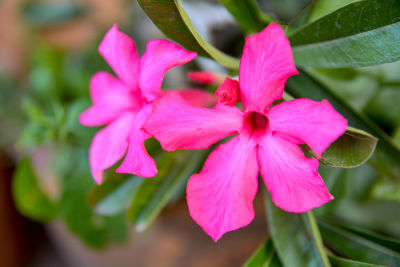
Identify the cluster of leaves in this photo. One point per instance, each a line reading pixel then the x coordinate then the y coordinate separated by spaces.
pixel 359 228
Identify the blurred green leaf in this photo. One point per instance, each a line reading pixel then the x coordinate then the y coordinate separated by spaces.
pixel 265 256
pixel 154 193
pixel 28 197
pixel 363 33
pixel 49 14
pixel 386 189
pixel 345 74
pixel 356 247
pixel 114 194
pixel 295 236
pixel 94 230
pixel 342 262
pixel 351 150
pixel 247 14
pixel 171 19
pixel 386 241
pixel 387 153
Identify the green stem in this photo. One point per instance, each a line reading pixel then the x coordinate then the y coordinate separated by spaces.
pixel 318 239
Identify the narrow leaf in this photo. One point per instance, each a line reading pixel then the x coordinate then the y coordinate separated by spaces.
pixel 342 262
pixel 265 256
pixel 154 193
pixel 295 238
pixel 356 247
pixel 386 241
pixel 114 195
pixel 247 14
pixel 360 34
pixel 170 17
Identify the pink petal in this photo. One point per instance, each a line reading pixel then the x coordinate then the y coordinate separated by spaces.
pixel 119 51
pixel 109 145
pixel 110 99
pixel 137 160
pixel 177 124
pixel 220 197
pixel 291 178
pixel 266 64
pixel 160 56
pixel 316 124
pixel 196 97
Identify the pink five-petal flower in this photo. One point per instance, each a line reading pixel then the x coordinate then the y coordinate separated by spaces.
pixel 220 197
pixel 125 103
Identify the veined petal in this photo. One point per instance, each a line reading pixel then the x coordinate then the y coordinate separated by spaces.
pixel 160 56
pixel 316 124
pixel 177 124
pixel 137 160
pixel 110 99
pixel 266 64
pixel 119 51
pixel 109 145
pixel 291 178
pixel 196 97
pixel 220 197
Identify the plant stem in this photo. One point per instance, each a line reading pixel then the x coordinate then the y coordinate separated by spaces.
pixel 318 239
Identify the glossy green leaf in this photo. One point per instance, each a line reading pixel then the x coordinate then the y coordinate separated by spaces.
pixel 342 262
pixel 295 236
pixel 114 195
pixel 363 33
pixel 265 256
pixel 351 150
pixel 356 247
pixel 154 193
pixel 28 197
pixel 387 153
pixel 247 14
pixel 170 17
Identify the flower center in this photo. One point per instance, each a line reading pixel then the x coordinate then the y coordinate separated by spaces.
pixel 256 121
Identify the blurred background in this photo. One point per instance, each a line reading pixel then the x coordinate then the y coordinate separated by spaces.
pixel 51 211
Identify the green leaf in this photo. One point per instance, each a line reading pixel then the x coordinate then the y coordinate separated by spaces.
pixel 360 34
pixel 351 150
pixel 170 17
pixel 247 14
pixel 387 153
pixel 42 14
pixel 92 229
pixel 28 197
pixel 386 241
pixel 265 256
pixel 296 237
pixel 114 195
pixel 153 194
pixel 342 262
pixel 356 247
pixel 386 190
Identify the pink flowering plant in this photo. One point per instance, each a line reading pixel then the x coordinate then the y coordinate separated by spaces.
pixel 220 197
pixel 289 123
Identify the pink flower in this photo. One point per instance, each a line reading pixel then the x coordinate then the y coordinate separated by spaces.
pixel 124 103
pixel 266 139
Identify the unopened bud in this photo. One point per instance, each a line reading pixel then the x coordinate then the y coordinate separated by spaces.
pixel 228 92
